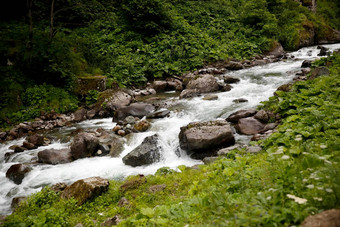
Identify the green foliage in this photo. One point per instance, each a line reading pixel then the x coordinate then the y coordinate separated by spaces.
pixel 92 97
pixel 38 99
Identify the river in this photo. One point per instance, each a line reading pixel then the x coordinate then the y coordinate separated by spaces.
pixel 256 84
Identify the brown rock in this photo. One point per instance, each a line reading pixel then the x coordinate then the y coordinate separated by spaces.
pixel 19 149
pixel 117 128
pixel 234 117
pixel 203 136
pixel 16 201
pixel 231 80
pixel 157 188
pixel 29 145
pixel 328 218
pixel 133 183
pixel 319 71
pixel 136 110
pixel 240 100
pixel 80 115
pixel 249 126
pixel 17 172
pixel 59 187
pixel 189 93
pixel 86 189
pixel 121 132
pixel 91 113
pixel 262 116
pixel 210 97
pixel 37 140
pixel 123 202
pixel 142 126
pixel 233 65
pixel 160 85
pixel 111 221
pixel 84 145
pixel 204 84
pixel 53 156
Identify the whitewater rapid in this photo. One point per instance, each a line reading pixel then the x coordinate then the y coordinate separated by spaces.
pixel 256 84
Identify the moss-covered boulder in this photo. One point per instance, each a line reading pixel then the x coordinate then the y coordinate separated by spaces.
pixel 85 189
pixel 87 83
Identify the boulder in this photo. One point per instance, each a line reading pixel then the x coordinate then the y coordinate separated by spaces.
pixel 240 100
pixel 84 145
pixel 233 65
pixel 53 156
pixel 136 109
pixel 133 183
pixel 19 149
pixel 285 87
pixel 234 117
pixel 319 71
pixel 323 51
pixel 253 149
pixel 37 140
pixel 328 218
pixel 142 126
pixel 276 50
pixel 17 172
pixel 189 93
pixel 306 64
pixel 203 136
pixel 231 80
pixel 91 113
pixel 8 155
pixel 262 116
pixel 269 126
pixel 174 84
pixel 225 87
pixel 159 114
pixel 160 85
pixel 86 189
pixel 3 135
pixel 204 84
pixel 80 115
pixel 113 99
pixel 29 145
pixel 249 126
pixel 112 221
pixel 113 143
pixel 157 188
pixel 146 153
pixel 16 201
pixel 210 97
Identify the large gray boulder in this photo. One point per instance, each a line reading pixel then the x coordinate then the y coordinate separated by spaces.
pixel 202 136
pixel 135 109
pixel 17 172
pixel 114 99
pixel 84 145
pixel 53 156
pixel 85 189
pixel 204 84
pixel 146 153
pixel 234 117
pixel 249 126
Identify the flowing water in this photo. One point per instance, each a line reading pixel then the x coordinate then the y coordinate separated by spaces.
pixel 256 84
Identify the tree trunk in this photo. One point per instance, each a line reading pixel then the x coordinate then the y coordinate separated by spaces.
pixel 314 5
pixel 51 22
pixel 30 34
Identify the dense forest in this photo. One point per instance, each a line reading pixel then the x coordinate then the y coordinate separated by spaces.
pixel 46 45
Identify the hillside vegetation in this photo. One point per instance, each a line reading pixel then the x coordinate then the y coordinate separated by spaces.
pixel 295 175
pixel 46 45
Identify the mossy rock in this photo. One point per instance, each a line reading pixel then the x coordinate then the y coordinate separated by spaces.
pixel 86 83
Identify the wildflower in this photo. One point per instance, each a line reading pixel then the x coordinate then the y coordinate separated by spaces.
pixel 323 146
pixel 310 186
pixel 329 190
pixel 285 157
pixel 269 198
pixel 317 198
pixel 297 199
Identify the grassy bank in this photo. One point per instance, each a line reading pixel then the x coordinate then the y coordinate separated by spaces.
pixel 295 175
